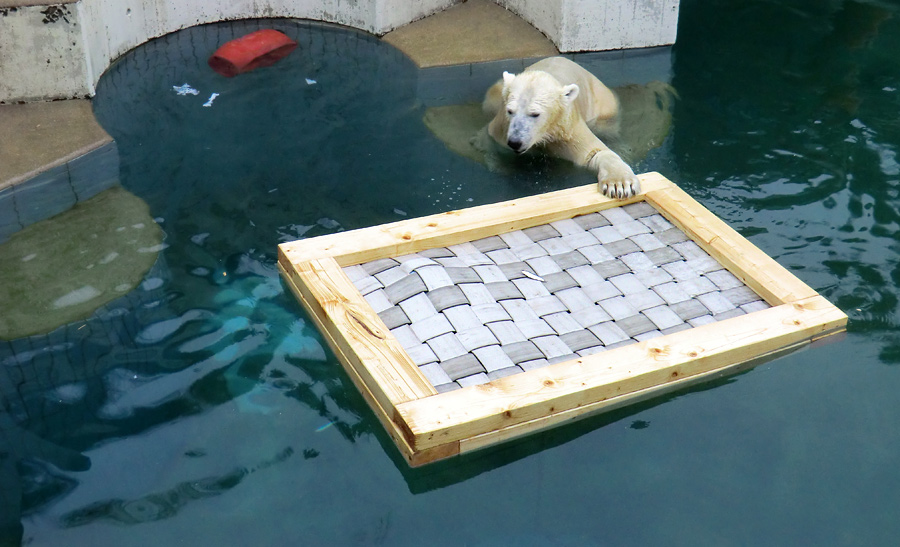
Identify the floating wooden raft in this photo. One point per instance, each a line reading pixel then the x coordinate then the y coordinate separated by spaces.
pixel 473 327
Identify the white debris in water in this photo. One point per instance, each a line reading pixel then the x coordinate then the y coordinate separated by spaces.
pixel 211 99
pixel 185 90
pixel 310 82
pixel 29 257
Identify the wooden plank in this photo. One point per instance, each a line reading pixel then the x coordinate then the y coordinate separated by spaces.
pixel 520 398
pixel 545 422
pixel 362 338
pixel 755 268
pixel 454 227
pixel 383 415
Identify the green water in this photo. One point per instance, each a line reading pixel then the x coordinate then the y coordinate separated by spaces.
pixel 204 408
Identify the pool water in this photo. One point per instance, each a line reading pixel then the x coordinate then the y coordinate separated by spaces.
pixel 203 408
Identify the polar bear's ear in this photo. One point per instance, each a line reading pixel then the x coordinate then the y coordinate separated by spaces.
pixel 570 92
pixel 508 78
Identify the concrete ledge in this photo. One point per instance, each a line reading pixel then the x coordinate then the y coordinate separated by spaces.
pixel 58 51
pixel 58 188
pixel 477 31
pixel 42 136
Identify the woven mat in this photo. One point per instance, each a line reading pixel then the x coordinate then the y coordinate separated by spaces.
pixel 471 313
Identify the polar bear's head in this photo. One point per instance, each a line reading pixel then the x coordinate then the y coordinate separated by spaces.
pixel 536 105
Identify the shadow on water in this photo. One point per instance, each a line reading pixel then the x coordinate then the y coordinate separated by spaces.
pixel 448 472
pixel 163 505
pixel 445 473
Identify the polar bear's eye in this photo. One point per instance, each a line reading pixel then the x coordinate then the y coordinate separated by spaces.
pixel 510 111
pixel 535 114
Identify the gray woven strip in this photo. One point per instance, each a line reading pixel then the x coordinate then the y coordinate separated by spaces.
pixel 540 233
pixel 437 252
pixel 377 266
pixel 479 311
pixel 488 244
pixel 447 297
pixel 591 220
pixel 406 287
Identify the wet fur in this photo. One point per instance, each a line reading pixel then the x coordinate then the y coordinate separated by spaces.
pixel 570 105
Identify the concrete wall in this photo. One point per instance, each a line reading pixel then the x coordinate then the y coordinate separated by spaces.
pixel 63 54
pixel 116 26
pixel 59 51
pixel 600 25
pixel 42 53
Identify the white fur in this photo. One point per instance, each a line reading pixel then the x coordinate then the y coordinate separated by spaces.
pixel 555 104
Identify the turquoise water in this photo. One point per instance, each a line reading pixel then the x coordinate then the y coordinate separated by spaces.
pixel 205 409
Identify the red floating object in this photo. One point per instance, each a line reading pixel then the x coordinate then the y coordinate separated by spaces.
pixel 257 49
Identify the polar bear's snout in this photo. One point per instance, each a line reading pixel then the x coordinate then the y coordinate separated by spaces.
pixel 516 145
pixel 519 137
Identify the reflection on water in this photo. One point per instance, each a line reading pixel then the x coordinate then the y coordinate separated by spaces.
pixel 153 411
pixel 166 504
pixel 63 268
pixel 802 151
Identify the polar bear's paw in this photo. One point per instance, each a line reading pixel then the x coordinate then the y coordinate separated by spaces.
pixel 620 188
pixel 615 178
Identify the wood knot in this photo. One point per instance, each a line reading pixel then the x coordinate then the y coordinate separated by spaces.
pixel 366 327
pixel 508 414
pixel 659 351
pixel 548 383
pixel 692 354
pixel 432 224
pixel 406 237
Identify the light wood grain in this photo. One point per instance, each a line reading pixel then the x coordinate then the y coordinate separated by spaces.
pixel 756 269
pixel 454 227
pixel 359 333
pixel 385 416
pixel 530 395
pixel 552 420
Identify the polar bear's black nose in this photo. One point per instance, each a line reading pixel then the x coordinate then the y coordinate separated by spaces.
pixel 516 145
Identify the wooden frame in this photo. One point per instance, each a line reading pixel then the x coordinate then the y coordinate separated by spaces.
pixel 429 426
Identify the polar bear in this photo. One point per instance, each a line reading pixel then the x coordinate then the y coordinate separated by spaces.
pixel 558 105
